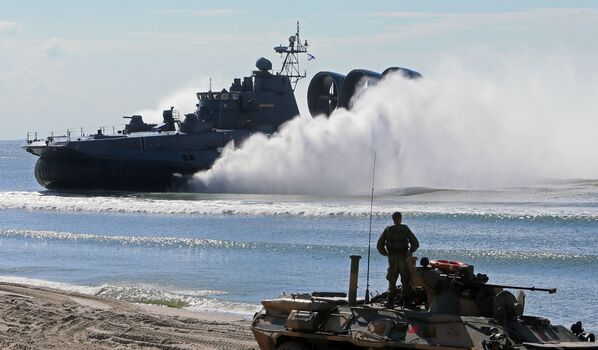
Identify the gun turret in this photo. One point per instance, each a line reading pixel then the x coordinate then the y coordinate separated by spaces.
pixel 136 124
pixel 453 287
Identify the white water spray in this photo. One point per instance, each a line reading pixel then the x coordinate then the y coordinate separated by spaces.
pixel 463 126
pixel 183 99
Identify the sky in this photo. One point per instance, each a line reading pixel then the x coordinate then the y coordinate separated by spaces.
pixel 72 64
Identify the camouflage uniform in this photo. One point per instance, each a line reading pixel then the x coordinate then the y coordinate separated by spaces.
pixel 397 242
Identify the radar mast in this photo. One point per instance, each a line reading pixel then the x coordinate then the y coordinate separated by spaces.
pixel 290 64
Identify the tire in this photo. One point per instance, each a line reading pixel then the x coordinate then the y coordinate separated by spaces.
pixel 292 345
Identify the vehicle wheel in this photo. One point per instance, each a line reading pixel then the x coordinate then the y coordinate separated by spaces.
pixel 292 345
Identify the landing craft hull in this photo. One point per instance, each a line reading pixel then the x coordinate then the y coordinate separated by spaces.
pixel 63 167
pixel 107 174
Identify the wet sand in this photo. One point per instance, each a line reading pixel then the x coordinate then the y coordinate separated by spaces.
pixel 44 318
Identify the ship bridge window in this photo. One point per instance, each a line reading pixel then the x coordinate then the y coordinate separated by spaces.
pixel 225 96
pixel 235 96
pixel 216 96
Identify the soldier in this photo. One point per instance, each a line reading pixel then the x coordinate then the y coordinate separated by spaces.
pixel 397 242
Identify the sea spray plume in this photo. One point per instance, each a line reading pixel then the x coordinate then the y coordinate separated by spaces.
pixel 183 99
pixel 320 155
pixel 307 156
pixel 470 127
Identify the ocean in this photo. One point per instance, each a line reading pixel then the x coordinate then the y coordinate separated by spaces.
pixel 226 252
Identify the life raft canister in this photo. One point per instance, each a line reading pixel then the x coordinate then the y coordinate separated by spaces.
pixel 448 265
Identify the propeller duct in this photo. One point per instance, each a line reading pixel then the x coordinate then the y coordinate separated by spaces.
pixel 406 73
pixel 323 93
pixel 328 91
pixel 356 81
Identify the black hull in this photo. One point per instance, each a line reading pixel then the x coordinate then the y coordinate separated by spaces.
pixel 109 174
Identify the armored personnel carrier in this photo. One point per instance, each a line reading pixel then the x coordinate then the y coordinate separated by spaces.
pixel 449 307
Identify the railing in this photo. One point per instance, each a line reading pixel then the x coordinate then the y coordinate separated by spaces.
pixel 29 135
pixel 74 134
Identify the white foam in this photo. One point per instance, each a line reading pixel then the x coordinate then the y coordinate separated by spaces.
pixel 300 206
pixel 90 290
pixel 196 300
pixel 214 305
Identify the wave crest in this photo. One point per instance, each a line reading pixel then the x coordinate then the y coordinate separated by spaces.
pixel 486 255
pixel 295 206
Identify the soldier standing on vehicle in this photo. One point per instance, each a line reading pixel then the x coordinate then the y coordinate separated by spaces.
pixel 397 242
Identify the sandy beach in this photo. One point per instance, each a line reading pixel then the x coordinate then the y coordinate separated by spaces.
pixel 44 318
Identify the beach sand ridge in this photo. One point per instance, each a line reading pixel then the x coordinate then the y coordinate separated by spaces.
pixel 43 318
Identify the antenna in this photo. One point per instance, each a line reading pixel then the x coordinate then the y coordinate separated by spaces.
pixel 290 64
pixel 367 288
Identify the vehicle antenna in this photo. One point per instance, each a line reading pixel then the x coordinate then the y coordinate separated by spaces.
pixel 367 288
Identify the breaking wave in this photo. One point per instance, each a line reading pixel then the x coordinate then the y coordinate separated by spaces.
pixel 173 242
pixel 272 205
pixel 413 191
pixel 202 300
pixel 198 300
pixel 90 290
pixel 486 255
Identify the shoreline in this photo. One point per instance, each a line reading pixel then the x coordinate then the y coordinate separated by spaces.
pixel 33 317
